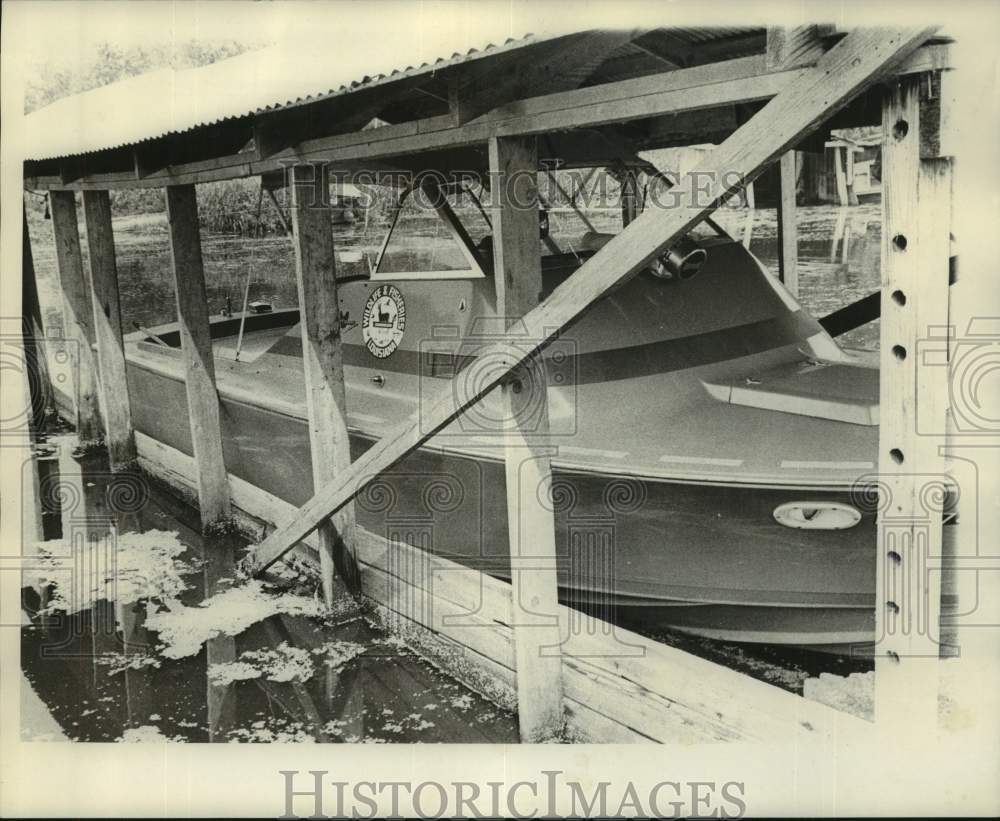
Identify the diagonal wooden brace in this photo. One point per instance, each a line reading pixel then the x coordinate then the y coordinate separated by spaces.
pixel 856 62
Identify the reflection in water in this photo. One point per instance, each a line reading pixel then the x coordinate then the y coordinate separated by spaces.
pixel 103 675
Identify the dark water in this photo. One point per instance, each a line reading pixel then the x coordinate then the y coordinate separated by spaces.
pixel 102 677
pixel 838 258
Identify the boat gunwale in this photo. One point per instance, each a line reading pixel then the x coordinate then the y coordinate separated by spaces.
pixel 496 453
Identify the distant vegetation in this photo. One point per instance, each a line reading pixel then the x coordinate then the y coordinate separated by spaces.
pixel 112 63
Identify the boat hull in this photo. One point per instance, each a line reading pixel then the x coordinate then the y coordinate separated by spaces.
pixel 703 557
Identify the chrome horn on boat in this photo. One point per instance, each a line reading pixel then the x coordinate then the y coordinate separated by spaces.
pixel 681 261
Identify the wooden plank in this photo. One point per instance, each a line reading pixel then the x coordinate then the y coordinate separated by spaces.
pixel 937 119
pixel 78 312
pixel 852 198
pixel 103 282
pixel 517 275
pixel 840 175
pixel 322 352
pixel 36 364
pixel 788 250
pixel 751 203
pixel 33 384
pixel 916 203
pixel 742 80
pixel 629 196
pixel 853 64
pixel 794 46
pixel 196 347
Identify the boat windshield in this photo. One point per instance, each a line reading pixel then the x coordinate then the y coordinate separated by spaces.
pixel 430 236
pixel 445 233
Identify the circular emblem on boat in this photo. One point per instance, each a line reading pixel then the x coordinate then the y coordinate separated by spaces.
pixel 383 321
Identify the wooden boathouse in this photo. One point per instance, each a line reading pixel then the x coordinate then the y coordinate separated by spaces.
pixel 581 100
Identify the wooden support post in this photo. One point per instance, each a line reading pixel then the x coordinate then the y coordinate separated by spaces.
pixel 196 345
pixel 852 197
pixel 322 353
pixel 206 431
pixel 916 207
pixel 36 365
pixel 103 283
pixel 751 202
pixel 841 177
pixel 855 63
pixel 630 206
pixel 535 599
pixel 788 253
pixel 80 315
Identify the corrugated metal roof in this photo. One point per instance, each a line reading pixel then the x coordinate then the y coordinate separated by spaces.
pixel 168 102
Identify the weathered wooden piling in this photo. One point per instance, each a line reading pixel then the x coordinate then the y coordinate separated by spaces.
pixel 788 253
pixel 206 430
pixel 78 313
pixel 629 196
pixel 196 347
pixel 103 283
pixel 322 352
pixel 916 208
pixel 535 600
pixel 751 203
pixel 33 332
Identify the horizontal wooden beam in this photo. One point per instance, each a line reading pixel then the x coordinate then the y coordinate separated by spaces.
pixel 855 63
pixel 708 86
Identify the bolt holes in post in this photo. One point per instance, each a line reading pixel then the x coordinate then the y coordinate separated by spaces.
pixel 896 455
pixel 899 241
pixel 899 298
pixel 900 129
pixel 899 352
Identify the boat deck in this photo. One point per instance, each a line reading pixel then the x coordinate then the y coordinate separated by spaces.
pixel 705 440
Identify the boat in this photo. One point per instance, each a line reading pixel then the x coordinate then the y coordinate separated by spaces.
pixel 714 448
